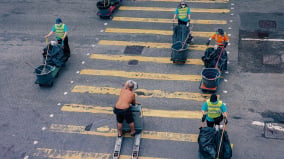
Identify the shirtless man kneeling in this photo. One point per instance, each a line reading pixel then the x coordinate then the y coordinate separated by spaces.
pixel 122 107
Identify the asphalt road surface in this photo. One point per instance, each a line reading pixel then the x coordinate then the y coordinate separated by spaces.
pixel 42 122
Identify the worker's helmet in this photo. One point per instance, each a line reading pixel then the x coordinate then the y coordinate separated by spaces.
pixel 220 31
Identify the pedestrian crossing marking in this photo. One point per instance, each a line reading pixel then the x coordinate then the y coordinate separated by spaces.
pixel 147 44
pixel 158 32
pixel 162 20
pixel 141 75
pixel 68 154
pixel 165 60
pixel 111 132
pixel 190 1
pixel 161 9
pixel 178 114
pixel 142 93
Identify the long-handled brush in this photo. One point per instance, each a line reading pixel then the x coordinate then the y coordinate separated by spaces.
pixel 219 149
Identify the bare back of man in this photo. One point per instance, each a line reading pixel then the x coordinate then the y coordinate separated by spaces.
pixel 126 98
pixel 122 110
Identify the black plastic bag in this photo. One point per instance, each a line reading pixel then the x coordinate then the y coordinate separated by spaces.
pixel 226 149
pixel 207 143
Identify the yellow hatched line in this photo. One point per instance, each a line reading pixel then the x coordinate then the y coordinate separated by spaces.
pixel 147 44
pixel 161 9
pixel 142 58
pixel 141 75
pixel 162 20
pixel 190 1
pixel 142 93
pixel 67 154
pixel 111 132
pixel 159 32
pixel 146 112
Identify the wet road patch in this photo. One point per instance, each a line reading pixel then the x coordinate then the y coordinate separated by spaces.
pixel 261 38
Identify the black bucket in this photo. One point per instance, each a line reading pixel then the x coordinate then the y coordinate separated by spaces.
pixel 179 52
pixel 210 77
pixel 44 74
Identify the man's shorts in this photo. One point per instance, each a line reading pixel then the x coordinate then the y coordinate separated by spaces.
pixel 123 114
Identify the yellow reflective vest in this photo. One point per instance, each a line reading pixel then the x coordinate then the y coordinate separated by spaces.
pixel 214 110
pixel 182 13
pixel 59 30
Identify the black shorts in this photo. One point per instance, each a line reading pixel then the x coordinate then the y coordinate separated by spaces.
pixel 216 121
pixel 123 114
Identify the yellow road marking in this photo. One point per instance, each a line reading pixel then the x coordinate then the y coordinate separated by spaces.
pixel 147 44
pixel 161 9
pixel 161 20
pixel 110 132
pixel 146 112
pixel 67 154
pixel 142 93
pixel 141 75
pixel 142 58
pixel 191 1
pixel 159 32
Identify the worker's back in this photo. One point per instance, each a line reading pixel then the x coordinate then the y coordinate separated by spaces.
pixel 126 98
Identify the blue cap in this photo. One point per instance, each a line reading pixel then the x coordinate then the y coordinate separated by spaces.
pixel 58 21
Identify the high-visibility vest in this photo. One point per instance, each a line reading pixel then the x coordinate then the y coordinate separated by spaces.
pixel 182 12
pixel 214 110
pixel 59 30
pixel 220 38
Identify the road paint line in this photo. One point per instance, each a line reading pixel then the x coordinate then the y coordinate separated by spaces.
pixel 190 1
pixel 68 154
pixel 165 60
pixel 158 32
pixel 162 9
pixel 183 114
pixel 252 39
pixel 161 20
pixel 147 44
pixel 142 93
pixel 258 123
pixel 141 75
pixel 111 132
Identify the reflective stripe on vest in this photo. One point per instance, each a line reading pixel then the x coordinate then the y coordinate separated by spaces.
pixel 182 13
pixel 59 30
pixel 214 110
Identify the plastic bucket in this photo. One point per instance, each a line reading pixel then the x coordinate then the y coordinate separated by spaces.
pixel 44 75
pixel 179 53
pixel 210 77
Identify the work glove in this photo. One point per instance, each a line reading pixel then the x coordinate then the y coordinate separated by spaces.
pixel 208 42
pixel 225 121
pixel 225 44
pixel 203 118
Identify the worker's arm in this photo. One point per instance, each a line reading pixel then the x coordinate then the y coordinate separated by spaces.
pixel 65 34
pixel 175 15
pixel 134 100
pixel 50 33
pixel 204 110
pixel 174 18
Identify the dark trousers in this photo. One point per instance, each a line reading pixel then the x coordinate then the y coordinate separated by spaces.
pixel 181 22
pixel 66 48
pixel 216 121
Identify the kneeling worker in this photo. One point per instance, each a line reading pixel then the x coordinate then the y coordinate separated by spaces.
pixel 213 111
pixel 122 107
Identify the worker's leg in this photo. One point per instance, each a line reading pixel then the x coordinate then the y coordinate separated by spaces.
pixel 119 128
